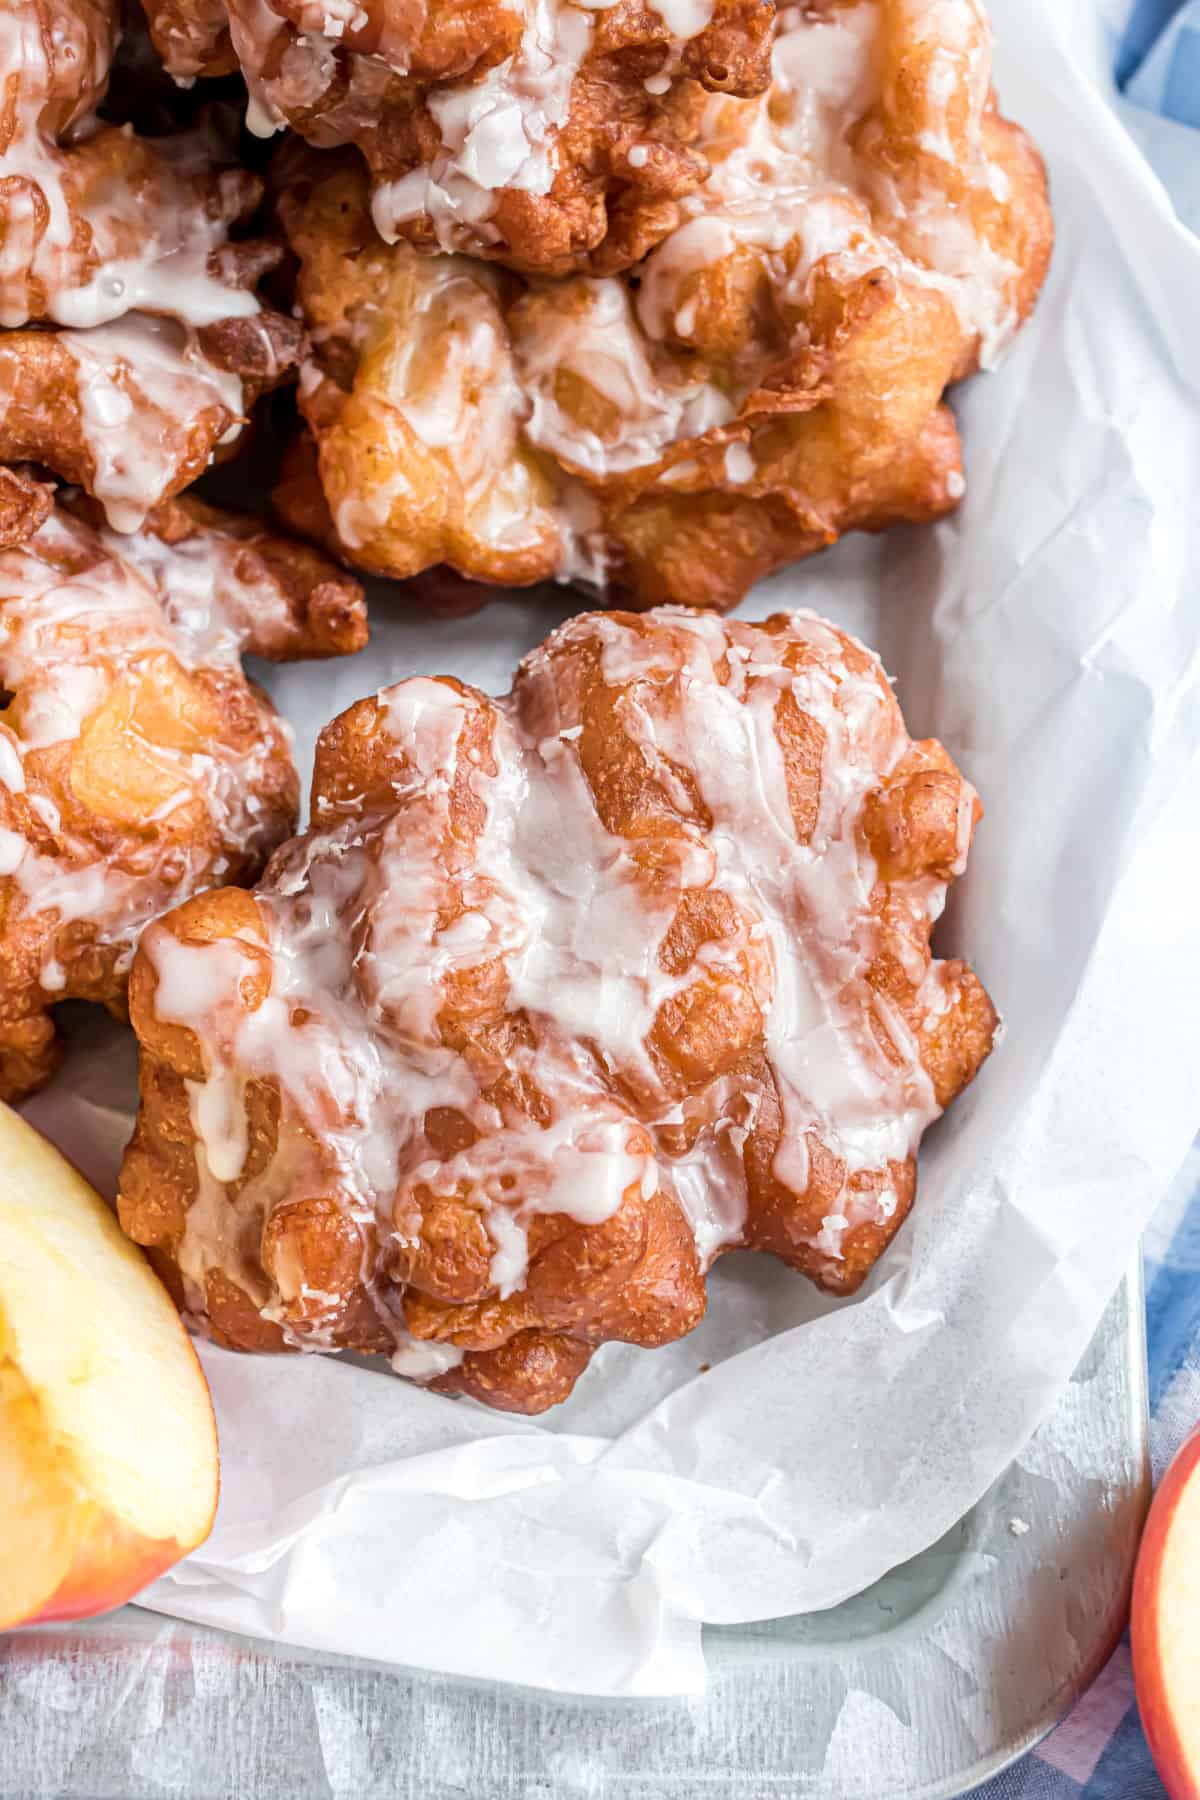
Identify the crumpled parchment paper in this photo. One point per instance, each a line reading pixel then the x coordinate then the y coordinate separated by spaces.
pixel 1049 634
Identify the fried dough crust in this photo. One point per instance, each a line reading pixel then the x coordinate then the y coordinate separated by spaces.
pixel 134 343
pixel 560 997
pixel 137 763
pixel 549 136
pixel 132 412
pixel 771 375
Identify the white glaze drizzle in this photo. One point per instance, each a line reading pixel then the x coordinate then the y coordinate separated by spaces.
pixel 594 336
pixel 80 611
pixel 498 132
pixel 151 244
pixel 452 364
pixel 352 916
pixel 139 381
pixel 791 185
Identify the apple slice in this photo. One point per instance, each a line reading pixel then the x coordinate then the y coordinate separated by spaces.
pixel 1166 1625
pixel 108 1447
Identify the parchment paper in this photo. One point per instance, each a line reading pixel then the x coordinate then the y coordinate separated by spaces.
pixel 1050 635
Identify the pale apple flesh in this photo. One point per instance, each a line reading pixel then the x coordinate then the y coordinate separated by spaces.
pixel 108 1447
pixel 1166 1626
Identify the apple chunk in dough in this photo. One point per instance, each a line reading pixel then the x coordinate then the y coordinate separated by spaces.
pixel 108 1447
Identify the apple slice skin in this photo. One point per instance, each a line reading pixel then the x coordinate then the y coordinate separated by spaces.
pixel 75 1555
pixel 1178 1763
pixel 105 1562
pixel 111 1565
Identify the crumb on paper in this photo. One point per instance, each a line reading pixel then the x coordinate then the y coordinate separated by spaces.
pixel 1019 1527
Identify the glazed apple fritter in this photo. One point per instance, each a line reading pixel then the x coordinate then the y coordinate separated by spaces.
pixel 133 343
pixel 553 136
pixel 137 763
pixel 560 997
pixel 770 376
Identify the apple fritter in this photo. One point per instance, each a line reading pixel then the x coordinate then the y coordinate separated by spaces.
pixel 133 411
pixel 137 763
pixel 551 135
pixel 771 375
pixel 133 342
pixel 560 997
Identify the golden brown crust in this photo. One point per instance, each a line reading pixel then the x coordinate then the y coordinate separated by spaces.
pixel 850 435
pixel 771 375
pixel 74 41
pixel 25 503
pixel 140 763
pixel 120 191
pixel 393 77
pixel 94 219
pixel 192 36
pixel 517 1036
pixel 324 612
pixel 848 432
pixel 171 399
pixel 133 344
pixel 531 1372
pixel 44 419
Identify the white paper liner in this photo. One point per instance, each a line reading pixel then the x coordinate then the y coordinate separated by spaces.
pixel 1049 634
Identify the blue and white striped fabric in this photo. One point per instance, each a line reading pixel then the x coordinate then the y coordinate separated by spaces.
pixel 1156 57
pixel 1160 59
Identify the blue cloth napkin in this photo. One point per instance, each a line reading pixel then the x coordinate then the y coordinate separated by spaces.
pixel 1156 55
pixel 1158 62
